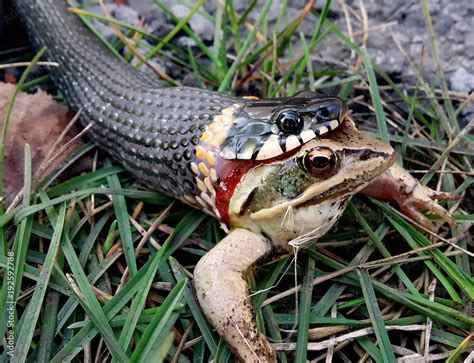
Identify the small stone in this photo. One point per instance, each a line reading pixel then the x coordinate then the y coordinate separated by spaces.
pixel 203 27
pixel 185 42
pixel 462 81
pixel 126 14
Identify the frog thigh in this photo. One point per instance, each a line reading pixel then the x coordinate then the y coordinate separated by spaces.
pixel 223 293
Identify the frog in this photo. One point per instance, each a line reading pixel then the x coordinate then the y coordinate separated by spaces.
pixel 289 202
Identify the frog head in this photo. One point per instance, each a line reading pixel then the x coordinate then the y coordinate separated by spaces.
pixel 299 198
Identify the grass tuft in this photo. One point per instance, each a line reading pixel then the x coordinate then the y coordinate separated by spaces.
pixel 84 291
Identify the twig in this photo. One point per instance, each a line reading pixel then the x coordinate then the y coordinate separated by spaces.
pixel 397 259
pixel 355 334
pixel 152 228
pixel 27 64
pixel 182 342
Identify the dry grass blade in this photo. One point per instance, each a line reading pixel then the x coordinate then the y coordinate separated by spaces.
pixel 340 339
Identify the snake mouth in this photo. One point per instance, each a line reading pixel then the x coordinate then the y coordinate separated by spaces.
pixel 322 128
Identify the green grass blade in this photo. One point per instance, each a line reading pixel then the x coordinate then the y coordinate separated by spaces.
pixel 3 135
pixel 151 197
pixel 89 302
pixel 454 357
pixel 16 258
pixel 437 311
pixel 111 309
pixel 371 348
pixel 86 247
pixel 6 118
pixel 452 120
pixel 68 308
pixel 382 249
pixel 85 295
pixel 309 64
pixel 138 303
pixel 148 341
pixel 81 181
pixel 173 32
pixel 303 318
pixel 219 45
pixel 161 352
pixel 376 316
pixel 31 315
pixel 333 293
pixel 272 330
pixel 188 31
pixel 375 94
pixel 245 47
pixel 70 160
pixel 121 212
pixel 190 298
pixel 267 283
pixel 48 327
pixel 416 239
pixel 222 353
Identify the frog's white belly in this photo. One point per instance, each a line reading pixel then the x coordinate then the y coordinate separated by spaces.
pixel 302 226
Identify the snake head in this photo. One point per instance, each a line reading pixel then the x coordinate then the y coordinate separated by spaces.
pixel 264 129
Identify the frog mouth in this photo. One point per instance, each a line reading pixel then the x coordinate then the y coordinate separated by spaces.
pixel 303 201
pixel 320 193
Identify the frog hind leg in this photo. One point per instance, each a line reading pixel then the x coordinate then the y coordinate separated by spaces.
pixel 223 293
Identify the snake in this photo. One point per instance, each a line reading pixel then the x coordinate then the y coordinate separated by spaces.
pixel 182 141
pixel 258 165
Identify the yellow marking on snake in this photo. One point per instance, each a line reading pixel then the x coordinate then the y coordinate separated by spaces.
pixel 213 175
pixel 194 168
pixel 214 127
pixel 228 111
pixel 190 199
pixel 203 169
pixel 208 183
pixel 200 152
pixel 206 136
pixel 208 199
pixel 219 137
pixel 210 143
pixel 200 185
pixel 201 202
pixel 210 158
pixel 216 132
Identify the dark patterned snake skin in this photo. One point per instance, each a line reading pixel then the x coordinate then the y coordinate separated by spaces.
pixel 168 138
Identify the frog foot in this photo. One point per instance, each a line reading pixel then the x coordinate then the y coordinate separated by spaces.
pixel 422 198
pixel 412 197
pixel 223 293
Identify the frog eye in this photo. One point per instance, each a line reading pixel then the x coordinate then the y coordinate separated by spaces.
pixel 290 122
pixel 319 161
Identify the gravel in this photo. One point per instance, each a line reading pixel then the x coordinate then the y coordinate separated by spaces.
pixel 453 22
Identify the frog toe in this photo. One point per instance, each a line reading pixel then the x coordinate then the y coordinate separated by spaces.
pixel 424 199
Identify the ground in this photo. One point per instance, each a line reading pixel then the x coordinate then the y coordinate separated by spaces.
pixel 393 22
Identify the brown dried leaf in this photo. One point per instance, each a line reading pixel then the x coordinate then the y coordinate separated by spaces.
pixel 39 121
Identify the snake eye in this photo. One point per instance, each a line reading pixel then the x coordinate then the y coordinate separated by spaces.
pixel 290 122
pixel 319 161
pixel 327 113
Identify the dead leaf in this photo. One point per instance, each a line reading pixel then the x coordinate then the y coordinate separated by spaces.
pixel 39 121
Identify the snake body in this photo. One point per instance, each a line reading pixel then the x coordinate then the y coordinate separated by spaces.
pixel 181 141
